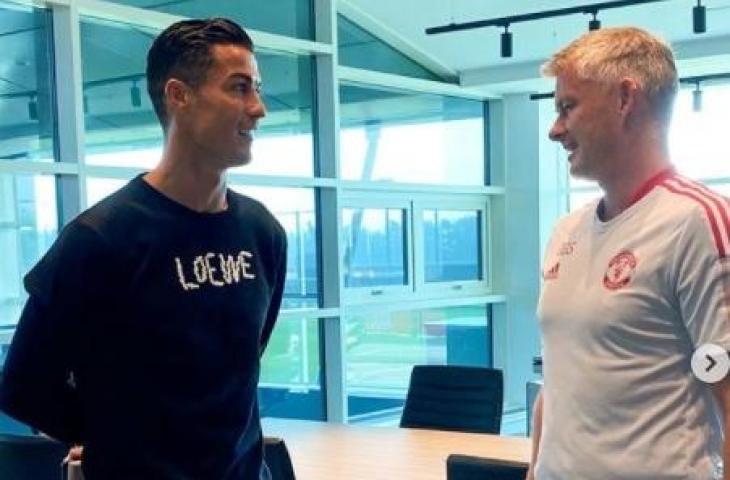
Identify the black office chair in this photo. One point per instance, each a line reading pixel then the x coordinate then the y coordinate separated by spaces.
pixel 466 467
pixel 277 459
pixel 26 457
pixel 455 398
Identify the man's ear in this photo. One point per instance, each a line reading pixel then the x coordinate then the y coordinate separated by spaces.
pixel 176 95
pixel 628 95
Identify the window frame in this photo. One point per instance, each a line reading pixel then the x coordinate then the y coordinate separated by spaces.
pixel 455 288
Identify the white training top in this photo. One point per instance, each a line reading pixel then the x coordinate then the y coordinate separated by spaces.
pixel 623 306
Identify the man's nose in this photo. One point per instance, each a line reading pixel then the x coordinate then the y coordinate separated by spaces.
pixel 257 109
pixel 556 131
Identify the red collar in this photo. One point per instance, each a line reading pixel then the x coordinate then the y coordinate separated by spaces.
pixel 647 187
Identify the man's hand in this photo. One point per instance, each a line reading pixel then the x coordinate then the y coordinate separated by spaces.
pixel 75 454
pixel 530 474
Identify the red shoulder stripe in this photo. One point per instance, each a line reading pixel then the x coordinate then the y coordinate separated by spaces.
pixel 714 227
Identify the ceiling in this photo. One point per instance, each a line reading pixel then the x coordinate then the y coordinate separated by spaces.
pixel 474 54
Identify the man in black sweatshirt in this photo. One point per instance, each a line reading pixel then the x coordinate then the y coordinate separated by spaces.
pixel 142 336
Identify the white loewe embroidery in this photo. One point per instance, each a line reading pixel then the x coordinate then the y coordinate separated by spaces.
pixel 232 269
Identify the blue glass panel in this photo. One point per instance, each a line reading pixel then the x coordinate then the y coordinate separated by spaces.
pixel 361 49
pixel 453 245
pixel 27 114
pixel 292 18
pixel 375 252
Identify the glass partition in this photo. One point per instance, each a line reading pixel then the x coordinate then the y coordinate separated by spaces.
pixel 383 347
pixel 27 112
pixel 389 135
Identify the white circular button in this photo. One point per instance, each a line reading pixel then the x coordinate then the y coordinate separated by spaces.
pixel 710 363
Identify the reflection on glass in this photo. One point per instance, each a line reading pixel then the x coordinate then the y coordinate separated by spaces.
pixel 375 252
pixel 291 382
pixel 382 349
pixel 121 126
pixel 398 136
pixel 452 241
pixel 361 49
pixel 27 114
pixel 292 18
pixel 28 227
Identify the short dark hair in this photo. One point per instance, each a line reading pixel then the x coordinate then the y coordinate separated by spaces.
pixel 183 51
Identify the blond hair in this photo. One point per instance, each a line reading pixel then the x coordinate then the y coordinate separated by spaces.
pixel 611 54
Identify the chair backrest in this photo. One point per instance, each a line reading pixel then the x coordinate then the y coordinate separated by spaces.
pixel 456 398
pixel 466 467
pixel 277 459
pixel 25 457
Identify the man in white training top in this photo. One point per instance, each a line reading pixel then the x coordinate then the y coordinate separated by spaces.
pixel 633 282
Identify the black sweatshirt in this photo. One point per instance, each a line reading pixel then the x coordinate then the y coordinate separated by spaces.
pixel 142 336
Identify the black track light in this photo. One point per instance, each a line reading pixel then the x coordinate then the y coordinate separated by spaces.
pixel 506 42
pixel 699 18
pixel 594 24
pixel 32 108
pixel 136 95
pixel 697 98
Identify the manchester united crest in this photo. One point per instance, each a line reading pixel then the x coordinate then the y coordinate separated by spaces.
pixel 620 270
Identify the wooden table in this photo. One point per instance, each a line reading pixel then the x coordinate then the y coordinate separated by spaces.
pixel 329 451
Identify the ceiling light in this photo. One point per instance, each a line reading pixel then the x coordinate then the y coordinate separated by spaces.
pixel 32 108
pixel 594 24
pixel 136 95
pixel 506 42
pixel 699 18
pixel 697 98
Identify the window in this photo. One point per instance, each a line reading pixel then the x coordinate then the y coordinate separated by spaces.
pixel 27 123
pixel 698 140
pixel 452 241
pixel 291 382
pixel 28 227
pixel 444 253
pixel 452 246
pixel 361 49
pixel 122 128
pixel 383 347
pixel 398 136
pixel 284 17
pixel 294 209
pixel 375 252
pixel 98 188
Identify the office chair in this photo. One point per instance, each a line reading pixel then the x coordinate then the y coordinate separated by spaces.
pixel 455 398
pixel 277 459
pixel 26 457
pixel 466 467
